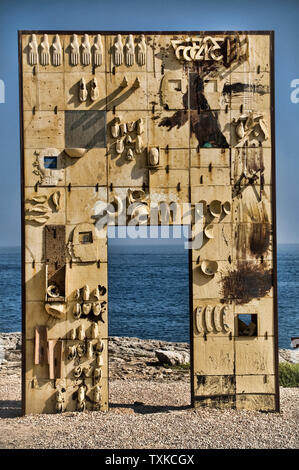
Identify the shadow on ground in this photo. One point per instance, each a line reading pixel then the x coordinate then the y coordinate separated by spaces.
pixel 142 408
pixel 10 408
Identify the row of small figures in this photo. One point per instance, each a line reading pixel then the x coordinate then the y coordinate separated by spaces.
pixel 81 398
pixel 80 333
pixel 88 349
pixel 85 51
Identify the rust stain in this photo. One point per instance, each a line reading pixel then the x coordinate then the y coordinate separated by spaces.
pixel 259 240
pixel 249 281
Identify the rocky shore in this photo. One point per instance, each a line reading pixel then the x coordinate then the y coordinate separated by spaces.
pixel 131 358
pixel 149 407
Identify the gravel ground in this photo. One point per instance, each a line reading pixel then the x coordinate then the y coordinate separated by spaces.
pixel 163 420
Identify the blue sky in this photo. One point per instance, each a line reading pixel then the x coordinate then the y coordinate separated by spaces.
pixel 281 16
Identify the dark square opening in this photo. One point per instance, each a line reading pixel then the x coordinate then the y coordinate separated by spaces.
pixel 50 162
pixel 85 237
pixel 247 324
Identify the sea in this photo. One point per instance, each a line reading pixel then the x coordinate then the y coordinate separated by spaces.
pixel 148 290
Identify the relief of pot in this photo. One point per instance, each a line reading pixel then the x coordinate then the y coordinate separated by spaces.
pixel 77 310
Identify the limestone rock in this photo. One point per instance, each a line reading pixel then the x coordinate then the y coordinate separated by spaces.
pixel 172 357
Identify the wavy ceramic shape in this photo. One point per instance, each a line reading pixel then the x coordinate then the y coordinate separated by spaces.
pixel 129 49
pixel 38 209
pixel 86 56
pixel 56 51
pixel 98 51
pixel 82 90
pixel 56 310
pixel 199 320
pixel 118 51
pixel 45 51
pixel 41 199
pixel 32 50
pixel 208 318
pixel 141 51
pixel 94 91
pixel 38 220
pixel 74 50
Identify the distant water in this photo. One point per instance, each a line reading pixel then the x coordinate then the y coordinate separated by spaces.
pixel 148 292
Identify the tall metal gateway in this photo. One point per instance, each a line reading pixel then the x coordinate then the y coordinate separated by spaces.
pixel 114 127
